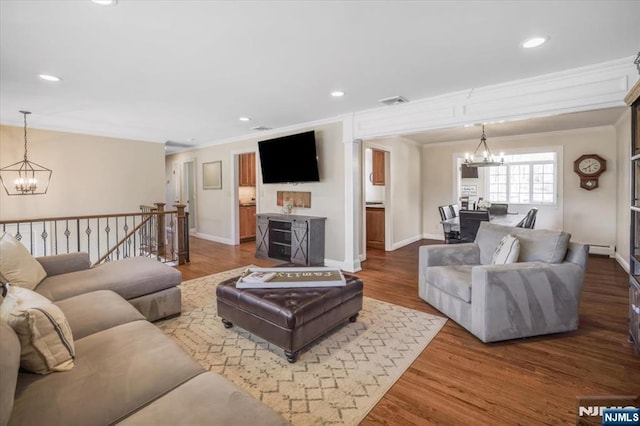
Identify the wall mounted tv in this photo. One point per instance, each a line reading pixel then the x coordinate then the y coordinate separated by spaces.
pixel 289 159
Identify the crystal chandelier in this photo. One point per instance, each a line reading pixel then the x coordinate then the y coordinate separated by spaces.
pixel 25 177
pixel 487 159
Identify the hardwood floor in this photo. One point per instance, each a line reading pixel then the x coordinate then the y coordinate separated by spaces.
pixel 458 379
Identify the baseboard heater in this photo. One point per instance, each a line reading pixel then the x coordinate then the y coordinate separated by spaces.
pixel 602 249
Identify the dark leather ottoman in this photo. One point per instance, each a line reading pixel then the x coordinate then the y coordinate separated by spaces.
pixel 290 318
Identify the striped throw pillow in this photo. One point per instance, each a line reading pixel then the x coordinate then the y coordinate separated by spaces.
pixel 507 251
pixel 46 342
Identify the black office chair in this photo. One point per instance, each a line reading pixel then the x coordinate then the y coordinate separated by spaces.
pixel 529 220
pixel 498 209
pixel 470 222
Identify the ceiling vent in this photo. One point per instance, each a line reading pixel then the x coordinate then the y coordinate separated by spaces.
pixel 261 128
pixel 394 100
pixel 175 144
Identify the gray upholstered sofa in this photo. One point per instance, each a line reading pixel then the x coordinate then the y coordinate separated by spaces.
pixel 127 371
pixel 539 294
pixel 150 286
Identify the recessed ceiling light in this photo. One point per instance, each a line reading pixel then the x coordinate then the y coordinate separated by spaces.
pixel 48 77
pixel 337 93
pixel 244 118
pixel 534 42
pixel 105 2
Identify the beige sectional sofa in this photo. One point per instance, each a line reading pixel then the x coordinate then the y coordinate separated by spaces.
pixel 126 371
pixel 102 361
pixel 150 286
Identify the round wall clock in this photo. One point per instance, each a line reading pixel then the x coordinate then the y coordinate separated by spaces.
pixel 589 167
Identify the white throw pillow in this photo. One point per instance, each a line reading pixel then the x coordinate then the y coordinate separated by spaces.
pixel 17 266
pixel 46 342
pixel 507 251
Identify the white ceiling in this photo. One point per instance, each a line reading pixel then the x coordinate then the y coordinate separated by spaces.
pixel 186 70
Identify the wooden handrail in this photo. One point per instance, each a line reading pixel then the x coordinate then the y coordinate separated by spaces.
pixel 98 216
pixel 129 234
pixel 53 230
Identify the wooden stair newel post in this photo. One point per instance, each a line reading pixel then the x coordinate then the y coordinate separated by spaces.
pixel 161 229
pixel 182 243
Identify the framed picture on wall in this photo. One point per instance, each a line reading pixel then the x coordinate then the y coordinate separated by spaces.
pixel 212 175
pixel 469 190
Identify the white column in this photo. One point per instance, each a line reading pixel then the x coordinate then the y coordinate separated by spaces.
pixel 352 196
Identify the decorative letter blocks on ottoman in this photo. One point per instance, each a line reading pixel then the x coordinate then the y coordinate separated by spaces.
pixel 290 318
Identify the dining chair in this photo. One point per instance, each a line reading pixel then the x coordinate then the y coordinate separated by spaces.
pixel 455 209
pixel 498 209
pixel 464 203
pixel 450 236
pixel 470 222
pixel 529 220
pixel 445 212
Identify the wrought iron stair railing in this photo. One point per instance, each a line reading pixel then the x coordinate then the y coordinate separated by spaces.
pixel 152 232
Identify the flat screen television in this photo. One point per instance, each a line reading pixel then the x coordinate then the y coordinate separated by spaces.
pixel 289 159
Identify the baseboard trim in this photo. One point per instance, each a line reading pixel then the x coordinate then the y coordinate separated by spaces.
pixel 214 238
pixel 406 242
pixel 603 250
pixel 345 266
pixel 438 237
pixel 623 262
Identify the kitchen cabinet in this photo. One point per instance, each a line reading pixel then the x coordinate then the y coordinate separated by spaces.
pixel 377 174
pixel 247 172
pixel 375 227
pixel 247 223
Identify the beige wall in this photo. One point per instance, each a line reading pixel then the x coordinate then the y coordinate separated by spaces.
pixel 590 216
pixel 214 219
pixel 623 218
pixel 91 174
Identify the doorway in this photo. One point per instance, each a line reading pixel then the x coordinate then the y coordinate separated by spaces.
pixel 245 191
pixel 377 209
pixel 189 191
pixel 172 195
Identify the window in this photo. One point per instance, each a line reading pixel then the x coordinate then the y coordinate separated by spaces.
pixel 526 179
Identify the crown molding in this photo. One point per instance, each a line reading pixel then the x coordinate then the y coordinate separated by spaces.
pixel 576 90
pixel 276 132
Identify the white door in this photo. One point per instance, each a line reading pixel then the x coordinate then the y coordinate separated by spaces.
pixel 189 191
pixel 172 193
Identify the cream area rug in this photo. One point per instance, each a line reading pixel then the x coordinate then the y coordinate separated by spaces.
pixel 337 380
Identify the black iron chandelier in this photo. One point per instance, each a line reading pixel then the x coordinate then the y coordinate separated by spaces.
pixel 25 177
pixel 487 159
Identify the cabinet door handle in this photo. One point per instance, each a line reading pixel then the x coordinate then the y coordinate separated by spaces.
pixel 371 177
